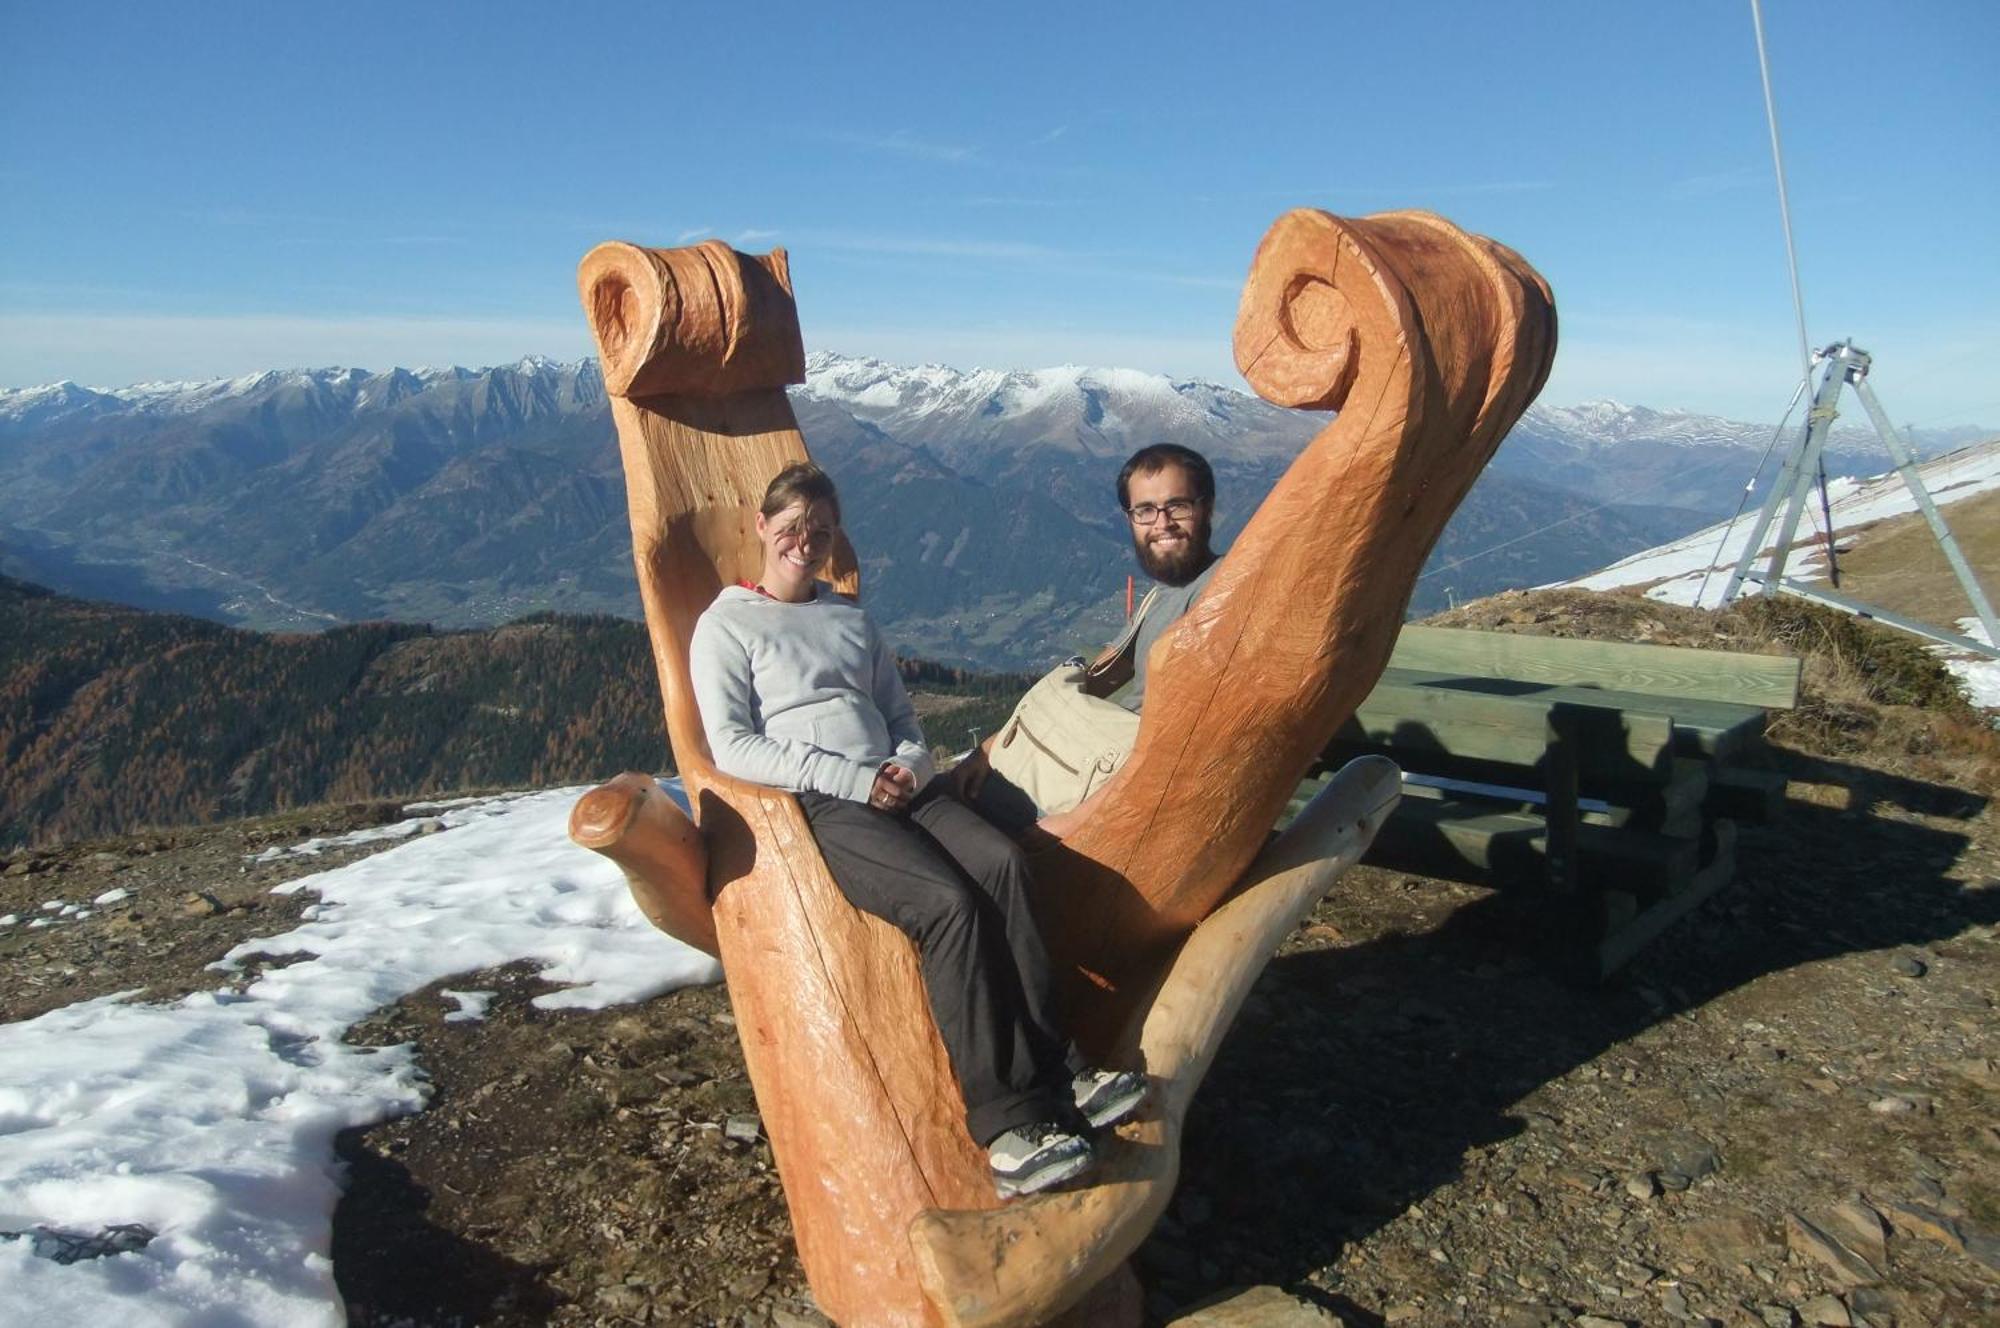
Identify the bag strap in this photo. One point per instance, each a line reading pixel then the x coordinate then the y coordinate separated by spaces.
pixel 1113 668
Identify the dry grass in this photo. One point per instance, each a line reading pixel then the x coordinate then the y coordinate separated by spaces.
pixel 1897 565
pixel 1870 690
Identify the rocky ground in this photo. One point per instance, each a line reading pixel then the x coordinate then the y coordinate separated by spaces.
pixel 1783 1113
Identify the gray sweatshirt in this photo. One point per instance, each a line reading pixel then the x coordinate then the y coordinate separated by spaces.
pixel 802 696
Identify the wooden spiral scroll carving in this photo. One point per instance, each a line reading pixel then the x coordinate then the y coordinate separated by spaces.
pixel 704 321
pixel 1430 342
pixel 1433 341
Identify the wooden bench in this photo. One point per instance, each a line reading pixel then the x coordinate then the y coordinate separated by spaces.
pixel 1608 775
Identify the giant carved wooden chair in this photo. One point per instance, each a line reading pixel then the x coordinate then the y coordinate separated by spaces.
pixel 1165 906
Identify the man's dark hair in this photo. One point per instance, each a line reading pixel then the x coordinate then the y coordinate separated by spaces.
pixel 1152 460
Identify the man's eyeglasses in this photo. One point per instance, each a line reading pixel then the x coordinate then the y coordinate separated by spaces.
pixel 1177 509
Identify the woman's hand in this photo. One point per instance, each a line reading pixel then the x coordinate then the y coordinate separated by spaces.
pixel 895 785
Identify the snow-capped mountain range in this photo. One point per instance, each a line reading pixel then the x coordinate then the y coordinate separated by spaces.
pixel 981 499
pixel 54 403
pixel 918 398
pixel 928 397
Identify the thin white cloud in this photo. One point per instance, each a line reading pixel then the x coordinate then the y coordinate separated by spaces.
pixel 693 233
pixel 1051 136
pixel 926 247
pixel 1747 371
pixel 754 235
pixel 901 143
pixel 1099 265
pixel 1013 201
pixel 1926 375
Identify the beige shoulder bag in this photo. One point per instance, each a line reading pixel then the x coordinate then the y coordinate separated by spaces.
pixel 1064 739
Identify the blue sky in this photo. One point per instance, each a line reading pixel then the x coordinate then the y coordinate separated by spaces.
pixel 202 189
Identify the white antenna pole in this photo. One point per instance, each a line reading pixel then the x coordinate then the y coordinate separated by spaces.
pixel 1784 198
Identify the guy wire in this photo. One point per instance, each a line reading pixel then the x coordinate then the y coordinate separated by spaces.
pixel 1744 498
pixel 1784 197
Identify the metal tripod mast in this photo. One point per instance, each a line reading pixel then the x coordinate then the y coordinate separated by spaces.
pixel 1840 365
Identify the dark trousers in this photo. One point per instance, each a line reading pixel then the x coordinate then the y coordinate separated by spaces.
pixel 957 887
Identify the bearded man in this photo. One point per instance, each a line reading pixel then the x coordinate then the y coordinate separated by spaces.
pixel 1167 493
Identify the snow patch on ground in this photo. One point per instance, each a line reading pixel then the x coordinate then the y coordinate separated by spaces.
pixel 472 1005
pixel 1980 677
pixel 211 1120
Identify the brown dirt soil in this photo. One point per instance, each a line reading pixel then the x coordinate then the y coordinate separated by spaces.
pixel 1416 1123
pixel 190 894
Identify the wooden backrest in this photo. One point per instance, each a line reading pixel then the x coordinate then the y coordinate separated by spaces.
pixel 695 344
pixel 854 1087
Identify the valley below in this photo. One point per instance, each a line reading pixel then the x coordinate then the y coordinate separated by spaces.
pixel 982 501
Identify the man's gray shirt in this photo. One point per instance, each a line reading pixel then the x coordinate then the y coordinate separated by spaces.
pixel 1168 605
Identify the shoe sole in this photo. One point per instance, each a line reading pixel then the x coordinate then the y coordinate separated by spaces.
pixel 1116 1110
pixel 1010 1187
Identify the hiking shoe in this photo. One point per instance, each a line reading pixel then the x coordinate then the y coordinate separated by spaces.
pixel 1033 1157
pixel 1106 1097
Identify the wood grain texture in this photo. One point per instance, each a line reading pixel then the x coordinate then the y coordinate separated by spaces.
pixel 702 321
pixel 1432 342
pixel 1470 839
pixel 854 1088
pixel 1020 1265
pixel 1421 721
pixel 1716 729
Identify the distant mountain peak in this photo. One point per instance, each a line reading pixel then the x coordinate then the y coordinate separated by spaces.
pixel 832 374
pixel 1069 406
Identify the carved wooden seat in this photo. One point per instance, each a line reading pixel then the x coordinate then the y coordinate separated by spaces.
pixel 1164 908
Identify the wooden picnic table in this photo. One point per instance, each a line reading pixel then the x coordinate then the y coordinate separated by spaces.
pixel 1610 776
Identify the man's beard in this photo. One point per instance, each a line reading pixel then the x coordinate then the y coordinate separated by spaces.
pixel 1178 568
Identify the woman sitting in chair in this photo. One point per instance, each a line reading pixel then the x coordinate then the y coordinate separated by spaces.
pixel 799 691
